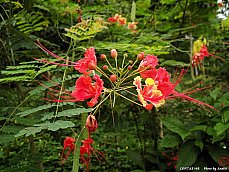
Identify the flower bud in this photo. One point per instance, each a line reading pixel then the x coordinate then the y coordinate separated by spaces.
pixel 131 61
pixel 141 56
pixel 129 67
pixel 91 123
pixel 113 78
pixel 103 56
pixel 105 67
pixel 114 53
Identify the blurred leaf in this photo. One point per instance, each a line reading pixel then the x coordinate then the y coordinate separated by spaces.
pixel 175 126
pixel 187 155
pixel 170 141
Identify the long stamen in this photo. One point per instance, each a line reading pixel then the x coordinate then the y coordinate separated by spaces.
pixel 51 53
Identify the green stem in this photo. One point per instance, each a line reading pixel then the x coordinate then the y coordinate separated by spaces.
pixel 82 135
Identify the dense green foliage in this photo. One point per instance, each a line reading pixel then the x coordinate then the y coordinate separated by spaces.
pixel 32 130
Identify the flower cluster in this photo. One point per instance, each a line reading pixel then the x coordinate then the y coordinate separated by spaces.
pixel 120 78
pixel 86 149
pixel 157 88
pixel 122 21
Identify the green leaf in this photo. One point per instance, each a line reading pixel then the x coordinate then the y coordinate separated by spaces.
pixel 39 108
pixel 15 79
pixel 5 138
pixel 170 141
pixel 47 125
pixel 221 128
pixel 187 155
pixel 200 144
pixel 67 113
pixel 214 94
pixel 175 126
pixel 225 116
pixel 173 63
pixel 199 128
pixel 133 11
pixel 60 125
pixel 12 129
pixel 29 131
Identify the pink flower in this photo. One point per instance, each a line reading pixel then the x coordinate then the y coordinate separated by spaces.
pixel 85 89
pixel 85 65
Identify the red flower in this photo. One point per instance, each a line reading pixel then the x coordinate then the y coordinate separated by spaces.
pixel 68 143
pixel 122 21
pixel 84 65
pixel 85 89
pixel 91 124
pixel 86 150
pixel 199 57
pixel 112 20
pixel 150 62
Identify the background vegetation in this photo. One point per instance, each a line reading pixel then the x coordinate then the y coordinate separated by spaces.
pixel 32 131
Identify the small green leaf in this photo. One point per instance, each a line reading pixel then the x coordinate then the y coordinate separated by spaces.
pixel 225 116
pixel 60 125
pixel 221 128
pixel 214 94
pixel 170 141
pixel 200 144
pixel 199 127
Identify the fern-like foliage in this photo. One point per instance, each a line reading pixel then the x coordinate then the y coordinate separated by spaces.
pixel 86 29
pixel 24 72
pixel 30 22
